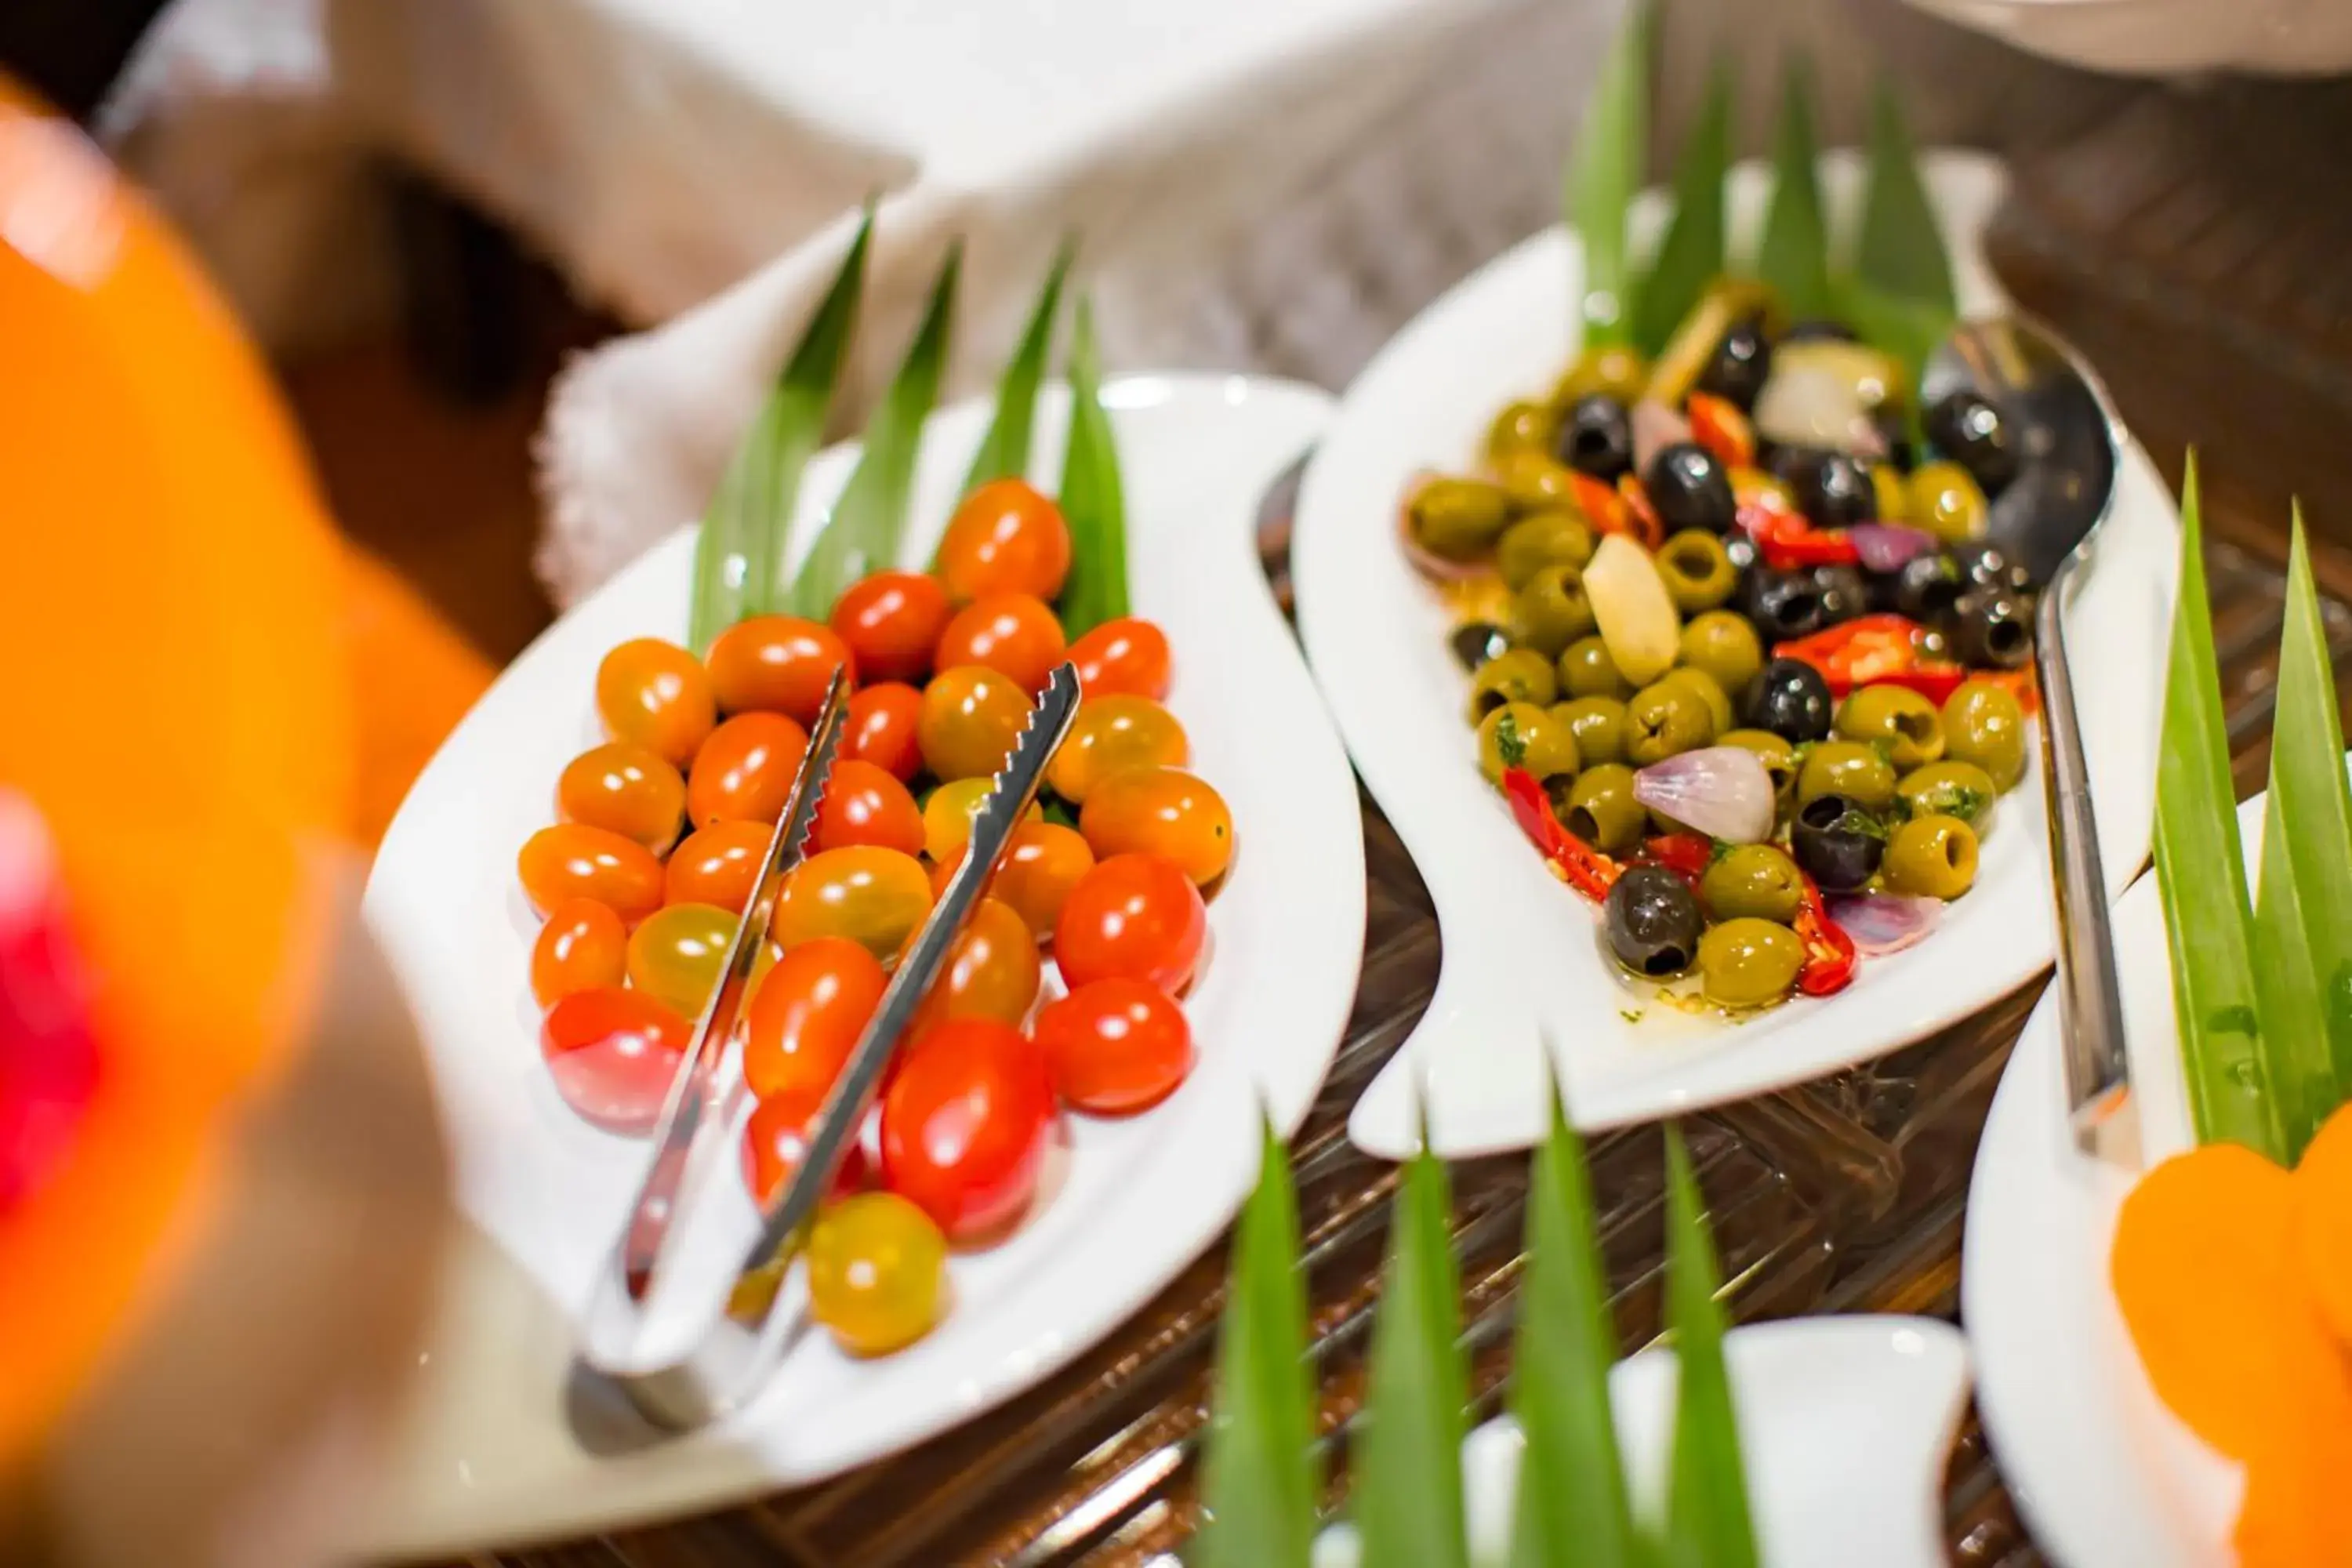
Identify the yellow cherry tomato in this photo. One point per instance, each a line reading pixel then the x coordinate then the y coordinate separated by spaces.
pixel 1160 811
pixel 872 896
pixel 1110 735
pixel 947 814
pixel 970 717
pixel 993 972
pixel 877 1272
pixel 675 957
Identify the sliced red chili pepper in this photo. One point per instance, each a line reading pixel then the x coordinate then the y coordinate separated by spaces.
pixel 1685 854
pixel 1861 651
pixel 1933 679
pixel 1718 425
pixel 1580 865
pixel 1829 951
pixel 1648 527
pixel 1807 547
pixel 1603 507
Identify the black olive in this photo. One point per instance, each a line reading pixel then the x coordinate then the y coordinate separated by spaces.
pixel 1475 642
pixel 1597 438
pixel 1986 566
pixel 1924 587
pixel 1831 489
pixel 1896 433
pixel 1819 330
pixel 1687 486
pixel 1992 628
pixel 1837 843
pixel 1653 921
pixel 1971 432
pixel 1789 698
pixel 1740 551
pixel 1842 591
pixel 1783 604
pixel 1737 369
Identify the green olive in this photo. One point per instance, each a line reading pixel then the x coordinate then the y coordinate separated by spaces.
pixel 1520 428
pixel 1944 500
pixel 1708 690
pixel 1904 722
pixel 1665 719
pixel 1598 725
pixel 1601 809
pixel 1848 768
pixel 1696 570
pixel 1749 962
pixel 1935 855
pixel 1887 485
pixel 1983 724
pixel 1617 370
pixel 1522 735
pixel 1542 539
pixel 1457 519
pixel 1779 757
pixel 1551 611
pixel 1522 675
pixel 1752 880
pixel 1586 670
pixel 1947 789
pixel 1723 644
pixel 1535 481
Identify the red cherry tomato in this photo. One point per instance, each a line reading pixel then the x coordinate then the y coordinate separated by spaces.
pixel 1012 634
pixel 864 804
pixel 891 621
pixel 623 789
pixel 777 1138
pixel 744 772
pixel 655 695
pixel 807 1016
pixel 583 946
pixel 612 1054
pixel 1116 1045
pixel 776 664
pixel 882 729
pixel 1136 916
pixel 573 860
pixel 965 1124
pixel 1126 656
pixel 718 864
pixel 1005 538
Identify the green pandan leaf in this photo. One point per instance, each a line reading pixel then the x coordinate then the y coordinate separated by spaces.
pixel 1900 252
pixel 1408 1458
pixel 1793 256
pixel 1004 451
pixel 1605 174
pixel 1708 1522
pixel 1690 256
pixel 1094 501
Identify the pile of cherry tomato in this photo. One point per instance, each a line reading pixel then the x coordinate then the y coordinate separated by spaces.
pixel 663 828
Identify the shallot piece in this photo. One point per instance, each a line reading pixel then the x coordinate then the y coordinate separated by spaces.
pixel 1882 924
pixel 1889 547
pixel 1656 427
pixel 1723 792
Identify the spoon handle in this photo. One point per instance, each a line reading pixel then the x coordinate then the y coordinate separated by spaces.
pixel 2090 1002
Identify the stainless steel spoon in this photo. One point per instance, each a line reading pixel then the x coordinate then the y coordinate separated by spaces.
pixel 2065 433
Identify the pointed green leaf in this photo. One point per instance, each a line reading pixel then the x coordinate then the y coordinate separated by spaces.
pixel 1408 1458
pixel 1004 450
pixel 739 561
pixel 1900 252
pixel 1605 174
pixel 863 534
pixel 1708 1524
pixel 1259 1476
pixel 2303 914
pixel 1093 500
pixel 1572 1511
pixel 2206 922
pixel 1793 256
pixel 1690 256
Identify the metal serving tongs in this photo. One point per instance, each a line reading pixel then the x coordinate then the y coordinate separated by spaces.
pixel 659 1326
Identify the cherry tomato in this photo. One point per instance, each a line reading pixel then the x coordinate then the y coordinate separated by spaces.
pixel 1112 734
pixel 573 860
pixel 1005 538
pixel 891 622
pixel 655 695
pixel 718 864
pixel 1136 916
pixel 744 772
pixel 881 728
pixel 947 811
pixel 874 897
pixel 806 1015
pixel 624 789
pixel 612 1054
pixel 776 664
pixel 970 721
pixel 582 946
pixel 1043 861
pixel 877 1271
pixel 1126 656
pixel 965 1124
pixel 776 1140
pixel 675 957
pixel 991 972
pixel 864 804
pixel 1161 811
pixel 1010 632
pixel 1116 1045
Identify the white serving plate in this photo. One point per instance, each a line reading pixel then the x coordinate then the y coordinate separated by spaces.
pixel 490 1457
pixel 1522 954
pixel 1845 1425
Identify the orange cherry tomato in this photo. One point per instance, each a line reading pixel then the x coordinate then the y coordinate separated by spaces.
pixel 1116 1045
pixel 807 1016
pixel 864 804
pixel 1043 861
pixel 881 728
pixel 1128 656
pixel 744 772
pixel 1112 734
pixel 965 1124
pixel 624 789
pixel 573 860
pixel 874 897
pixel 1005 538
pixel 582 946
pixel 776 664
pixel 992 971
pixel 718 864
pixel 676 955
pixel 1160 811
pixel 655 695
pixel 891 622
pixel 612 1054
pixel 776 1141
pixel 1014 633
pixel 970 721
pixel 1137 917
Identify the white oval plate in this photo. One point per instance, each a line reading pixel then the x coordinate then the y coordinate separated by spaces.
pixel 1845 1425
pixel 1522 956
pixel 491 1457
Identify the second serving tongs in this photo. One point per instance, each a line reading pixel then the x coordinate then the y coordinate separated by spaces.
pixel 659 1326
